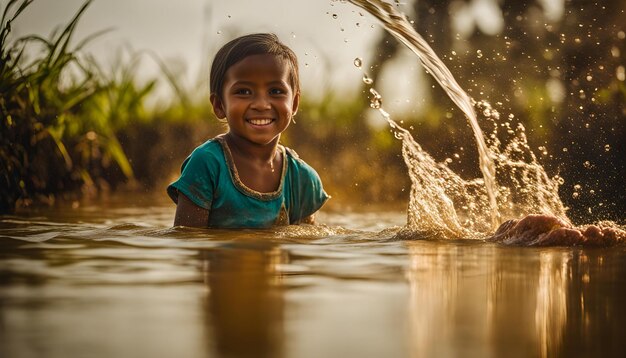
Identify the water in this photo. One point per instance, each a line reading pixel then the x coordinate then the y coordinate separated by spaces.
pixel 396 24
pixel 113 279
pixel 514 185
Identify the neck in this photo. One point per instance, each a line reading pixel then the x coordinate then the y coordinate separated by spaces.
pixel 265 153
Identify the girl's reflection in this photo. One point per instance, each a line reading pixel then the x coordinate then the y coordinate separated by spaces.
pixel 245 300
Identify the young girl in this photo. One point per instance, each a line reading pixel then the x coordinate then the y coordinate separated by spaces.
pixel 244 178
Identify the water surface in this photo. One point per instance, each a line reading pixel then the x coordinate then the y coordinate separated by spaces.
pixel 113 279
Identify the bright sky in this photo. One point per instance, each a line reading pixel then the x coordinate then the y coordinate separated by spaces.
pixel 326 35
pixel 185 34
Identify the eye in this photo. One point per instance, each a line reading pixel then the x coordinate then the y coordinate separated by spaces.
pixel 277 91
pixel 242 91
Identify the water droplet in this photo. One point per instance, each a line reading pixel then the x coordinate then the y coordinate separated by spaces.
pixel 575 195
pixel 607 147
pixel 479 54
pixel 219 32
pixel 367 80
pixel 577 187
pixel 358 62
pixel 620 73
pixel 335 16
pixel 376 101
pixel 587 164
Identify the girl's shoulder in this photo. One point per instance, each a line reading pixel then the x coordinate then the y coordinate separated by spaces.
pixel 210 148
pixel 207 155
pixel 297 163
pixel 292 153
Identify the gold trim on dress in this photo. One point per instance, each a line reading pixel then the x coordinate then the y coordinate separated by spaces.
pixel 234 175
pixel 283 216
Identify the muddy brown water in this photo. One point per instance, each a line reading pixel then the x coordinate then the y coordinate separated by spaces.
pixel 113 279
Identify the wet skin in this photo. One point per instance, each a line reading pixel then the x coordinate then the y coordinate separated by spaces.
pixel 546 230
pixel 258 102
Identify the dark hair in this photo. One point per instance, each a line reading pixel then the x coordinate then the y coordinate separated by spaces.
pixel 248 45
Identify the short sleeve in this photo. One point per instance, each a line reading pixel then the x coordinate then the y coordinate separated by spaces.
pixel 307 193
pixel 197 179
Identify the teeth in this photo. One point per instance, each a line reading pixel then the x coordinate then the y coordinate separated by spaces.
pixel 260 122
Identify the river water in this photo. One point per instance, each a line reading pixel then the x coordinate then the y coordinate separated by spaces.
pixel 113 279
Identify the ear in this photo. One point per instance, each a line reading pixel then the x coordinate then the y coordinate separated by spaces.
pixel 295 104
pixel 218 106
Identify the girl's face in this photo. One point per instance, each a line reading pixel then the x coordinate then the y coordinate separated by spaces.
pixel 257 100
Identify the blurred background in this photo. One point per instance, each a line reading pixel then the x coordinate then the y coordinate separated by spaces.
pixel 104 96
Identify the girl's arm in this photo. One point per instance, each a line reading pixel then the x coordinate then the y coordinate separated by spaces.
pixel 190 214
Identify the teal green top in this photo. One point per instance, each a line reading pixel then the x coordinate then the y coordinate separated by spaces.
pixel 209 179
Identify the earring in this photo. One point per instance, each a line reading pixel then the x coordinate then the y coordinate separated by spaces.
pixel 293 120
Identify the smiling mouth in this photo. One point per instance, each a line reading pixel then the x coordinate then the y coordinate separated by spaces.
pixel 260 122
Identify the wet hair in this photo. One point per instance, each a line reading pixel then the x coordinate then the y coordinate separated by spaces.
pixel 249 45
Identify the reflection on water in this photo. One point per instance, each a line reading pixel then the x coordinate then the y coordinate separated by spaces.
pixel 115 280
pixel 245 303
pixel 495 301
pixel 551 311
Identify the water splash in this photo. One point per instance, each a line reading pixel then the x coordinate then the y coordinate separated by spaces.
pixel 397 24
pixel 513 185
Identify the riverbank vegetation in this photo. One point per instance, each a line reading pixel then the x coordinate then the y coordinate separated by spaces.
pixel 71 129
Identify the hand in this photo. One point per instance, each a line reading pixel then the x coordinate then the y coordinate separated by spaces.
pixel 547 230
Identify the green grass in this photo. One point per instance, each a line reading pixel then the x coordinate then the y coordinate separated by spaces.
pixel 58 114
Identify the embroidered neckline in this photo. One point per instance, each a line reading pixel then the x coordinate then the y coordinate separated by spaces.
pixel 232 169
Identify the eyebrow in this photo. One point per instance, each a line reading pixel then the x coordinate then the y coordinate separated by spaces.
pixel 249 83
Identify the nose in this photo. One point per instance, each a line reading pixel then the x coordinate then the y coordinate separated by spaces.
pixel 261 101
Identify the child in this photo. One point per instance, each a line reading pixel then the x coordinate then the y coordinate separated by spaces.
pixel 244 178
